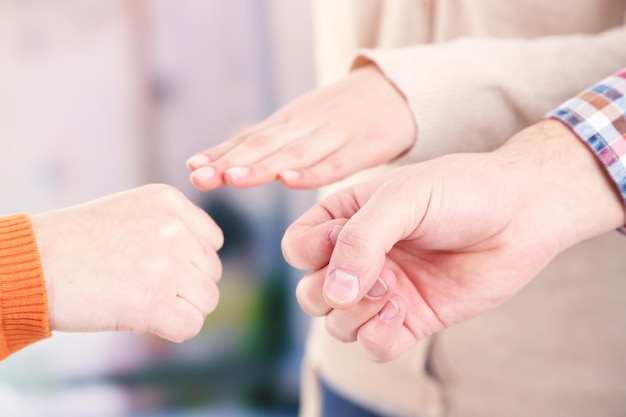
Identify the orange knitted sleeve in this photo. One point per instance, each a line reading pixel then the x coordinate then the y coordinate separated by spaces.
pixel 23 298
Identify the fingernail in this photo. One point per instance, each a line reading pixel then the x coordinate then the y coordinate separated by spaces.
pixel 341 286
pixel 332 235
pixel 290 175
pixel 379 289
pixel 389 311
pixel 204 173
pixel 237 172
pixel 197 161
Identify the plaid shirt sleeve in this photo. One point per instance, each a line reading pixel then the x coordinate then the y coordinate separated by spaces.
pixel 598 117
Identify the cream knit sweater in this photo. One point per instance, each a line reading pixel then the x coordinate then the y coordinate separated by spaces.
pixel 474 72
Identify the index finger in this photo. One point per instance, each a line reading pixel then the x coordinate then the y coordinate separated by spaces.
pixel 199 222
pixel 309 246
pixel 306 243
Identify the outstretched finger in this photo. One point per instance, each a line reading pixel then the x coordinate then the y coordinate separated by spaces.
pixel 339 165
pixel 233 164
pixel 299 153
pixel 213 153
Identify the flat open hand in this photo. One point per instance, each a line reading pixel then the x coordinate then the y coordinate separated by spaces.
pixel 326 135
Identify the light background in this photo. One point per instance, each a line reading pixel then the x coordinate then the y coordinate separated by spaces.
pixel 98 96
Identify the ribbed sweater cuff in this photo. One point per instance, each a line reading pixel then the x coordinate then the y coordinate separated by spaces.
pixel 23 298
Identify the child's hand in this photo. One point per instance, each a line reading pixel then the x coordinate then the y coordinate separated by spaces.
pixel 144 260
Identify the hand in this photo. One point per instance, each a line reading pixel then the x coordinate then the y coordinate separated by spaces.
pixel 144 260
pixel 324 136
pixel 451 238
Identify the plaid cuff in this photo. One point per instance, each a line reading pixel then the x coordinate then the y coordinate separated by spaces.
pixel 598 117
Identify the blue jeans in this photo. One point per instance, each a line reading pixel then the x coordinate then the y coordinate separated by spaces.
pixel 334 405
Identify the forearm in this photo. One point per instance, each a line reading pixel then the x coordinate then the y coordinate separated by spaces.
pixel 576 163
pixel 472 94
pixel 564 188
pixel 597 116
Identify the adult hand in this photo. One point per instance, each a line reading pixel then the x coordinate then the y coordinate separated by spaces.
pixel 396 260
pixel 144 260
pixel 324 136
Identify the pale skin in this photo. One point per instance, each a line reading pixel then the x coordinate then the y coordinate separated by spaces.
pixel 320 138
pixel 143 261
pixel 429 245
pixel 450 238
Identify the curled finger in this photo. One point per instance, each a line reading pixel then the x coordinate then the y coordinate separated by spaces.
pixel 309 245
pixel 385 337
pixel 343 325
pixel 310 296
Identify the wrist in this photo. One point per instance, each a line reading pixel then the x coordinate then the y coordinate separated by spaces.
pixel 565 187
pixel 395 118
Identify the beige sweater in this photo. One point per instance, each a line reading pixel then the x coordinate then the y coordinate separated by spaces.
pixel 474 72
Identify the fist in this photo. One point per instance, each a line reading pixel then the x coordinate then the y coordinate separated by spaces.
pixel 143 260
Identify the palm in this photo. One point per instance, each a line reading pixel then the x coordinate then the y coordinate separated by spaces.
pixel 465 255
pixel 456 248
pixel 449 238
pixel 444 288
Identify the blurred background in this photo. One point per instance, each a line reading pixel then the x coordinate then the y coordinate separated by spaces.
pixel 99 96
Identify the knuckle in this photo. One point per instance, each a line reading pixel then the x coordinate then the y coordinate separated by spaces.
pixel 209 264
pixel 336 164
pixel 326 171
pixel 293 249
pixel 376 349
pixel 303 299
pixel 379 356
pixel 216 269
pixel 285 247
pixel 308 302
pixel 159 188
pixel 301 250
pixel 195 326
pixel 342 335
pixel 192 326
pixel 354 236
pixel 167 194
pixel 213 301
pixel 297 152
pixel 217 235
pixel 154 293
pixel 260 141
pixel 171 226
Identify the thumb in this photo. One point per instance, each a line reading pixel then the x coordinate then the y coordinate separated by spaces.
pixel 391 214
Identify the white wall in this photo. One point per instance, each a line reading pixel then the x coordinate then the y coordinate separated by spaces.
pixel 98 96
pixel 68 104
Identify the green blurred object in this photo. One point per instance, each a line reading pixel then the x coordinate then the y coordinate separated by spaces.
pixel 267 342
pixel 267 335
